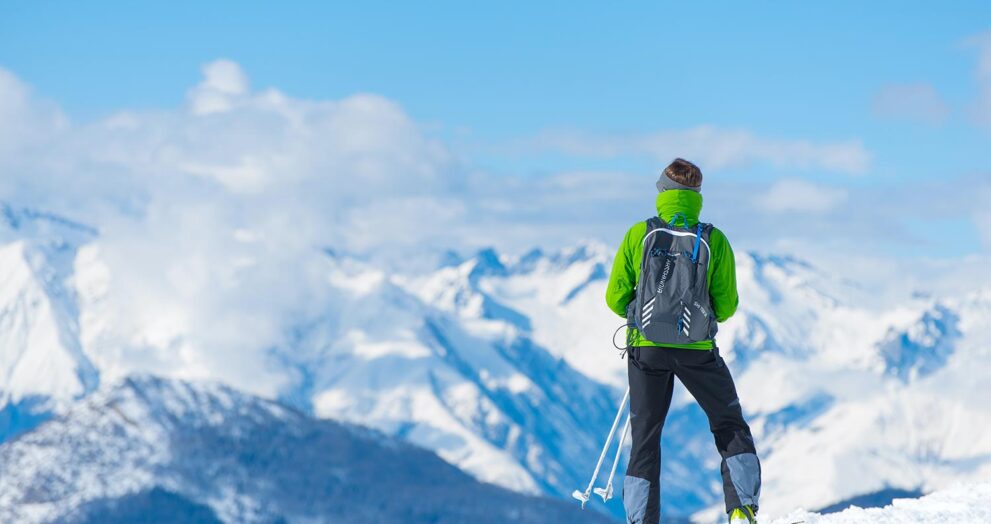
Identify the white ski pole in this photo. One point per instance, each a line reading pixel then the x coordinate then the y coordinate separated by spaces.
pixel 583 497
pixel 606 493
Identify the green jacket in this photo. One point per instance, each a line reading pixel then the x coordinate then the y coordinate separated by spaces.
pixel 626 266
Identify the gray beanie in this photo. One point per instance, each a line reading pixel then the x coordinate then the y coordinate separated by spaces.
pixel 664 183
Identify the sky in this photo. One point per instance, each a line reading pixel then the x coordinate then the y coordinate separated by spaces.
pixel 828 131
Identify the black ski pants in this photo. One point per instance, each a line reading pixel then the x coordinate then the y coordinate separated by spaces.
pixel 705 375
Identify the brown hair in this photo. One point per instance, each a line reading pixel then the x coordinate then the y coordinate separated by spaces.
pixel 684 172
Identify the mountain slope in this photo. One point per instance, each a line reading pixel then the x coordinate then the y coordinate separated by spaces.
pixel 864 397
pixel 480 393
pixel 172 447
pixel 859 429
pixel 476 389
pixel 42 364
pixel 503 366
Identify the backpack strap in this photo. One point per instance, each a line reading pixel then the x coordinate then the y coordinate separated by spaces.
pixel 699 229
pixel 652 223
pixel 698 240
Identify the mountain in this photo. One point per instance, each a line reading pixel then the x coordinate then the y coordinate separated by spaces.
pixel 465 378
pixel 503 366
pixel 557 295
pixel 846 397
pixel 480 393
pixel 173 451
pixel 43 367
pixel 883 399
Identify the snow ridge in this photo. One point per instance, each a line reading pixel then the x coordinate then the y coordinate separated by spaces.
pixel 43 367
pixel 959 504
pixel 503 366
pixel 244 459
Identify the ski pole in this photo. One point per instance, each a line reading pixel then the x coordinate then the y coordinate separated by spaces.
pixel 583 497
pixel 606 493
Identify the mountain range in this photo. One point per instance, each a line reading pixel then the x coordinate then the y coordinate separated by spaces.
pixel 155 450
pixel 503 366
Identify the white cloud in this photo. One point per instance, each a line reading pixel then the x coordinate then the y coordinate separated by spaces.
pixel 212 215
pixel 713 147
pixel 248 176
pixel 916 102
pixel 801 196
pixel 223 84
pixel 25 120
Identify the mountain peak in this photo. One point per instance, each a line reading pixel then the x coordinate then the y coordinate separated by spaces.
pixel 783 261
pixel 33 223
pixel 530 257
pixel 42 364
pixel 923 347
pixel 449 258
pixel 487 262
pixel 583 251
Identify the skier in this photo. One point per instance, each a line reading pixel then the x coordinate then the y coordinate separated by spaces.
pixel 673 283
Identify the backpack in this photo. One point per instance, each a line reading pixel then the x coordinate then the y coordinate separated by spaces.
pixel 672 304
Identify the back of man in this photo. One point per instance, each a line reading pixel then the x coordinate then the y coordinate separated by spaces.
pixel 694 360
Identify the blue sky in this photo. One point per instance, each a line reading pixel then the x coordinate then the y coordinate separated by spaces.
pixel 524 92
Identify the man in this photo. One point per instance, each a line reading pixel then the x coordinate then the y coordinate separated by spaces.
pixel 688 285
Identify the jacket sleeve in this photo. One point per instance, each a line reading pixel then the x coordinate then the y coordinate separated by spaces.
pixel 722 283
pixel 623 277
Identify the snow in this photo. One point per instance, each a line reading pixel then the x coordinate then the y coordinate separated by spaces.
pixel 34 360
pixel 865 395
pixel 244 459
pixel 503 365
pixel 43 367
pixel 959 504
pixel 562 296
pixel 448 367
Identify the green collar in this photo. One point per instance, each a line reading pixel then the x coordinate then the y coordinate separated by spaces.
pixel 674 201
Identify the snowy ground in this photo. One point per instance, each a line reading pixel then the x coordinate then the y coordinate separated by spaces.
pixel 961 504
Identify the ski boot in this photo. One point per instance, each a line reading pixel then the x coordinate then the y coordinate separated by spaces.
pixel 743 515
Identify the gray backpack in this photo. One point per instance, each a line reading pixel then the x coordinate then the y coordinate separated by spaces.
pixel 672 305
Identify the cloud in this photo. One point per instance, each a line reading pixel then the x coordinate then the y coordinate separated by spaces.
pixel 25 120
pixel 212 215
pixel 913 102
pixel 801 196
pixel 224 83
pixel 238 143
pixel 715 148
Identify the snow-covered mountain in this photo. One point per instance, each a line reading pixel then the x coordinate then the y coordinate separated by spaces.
pixel 174 451
pixel 479 392
pixel 473 385
pixel 877 399
pixel 504 367
pixel 42 364
pixel 846 398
